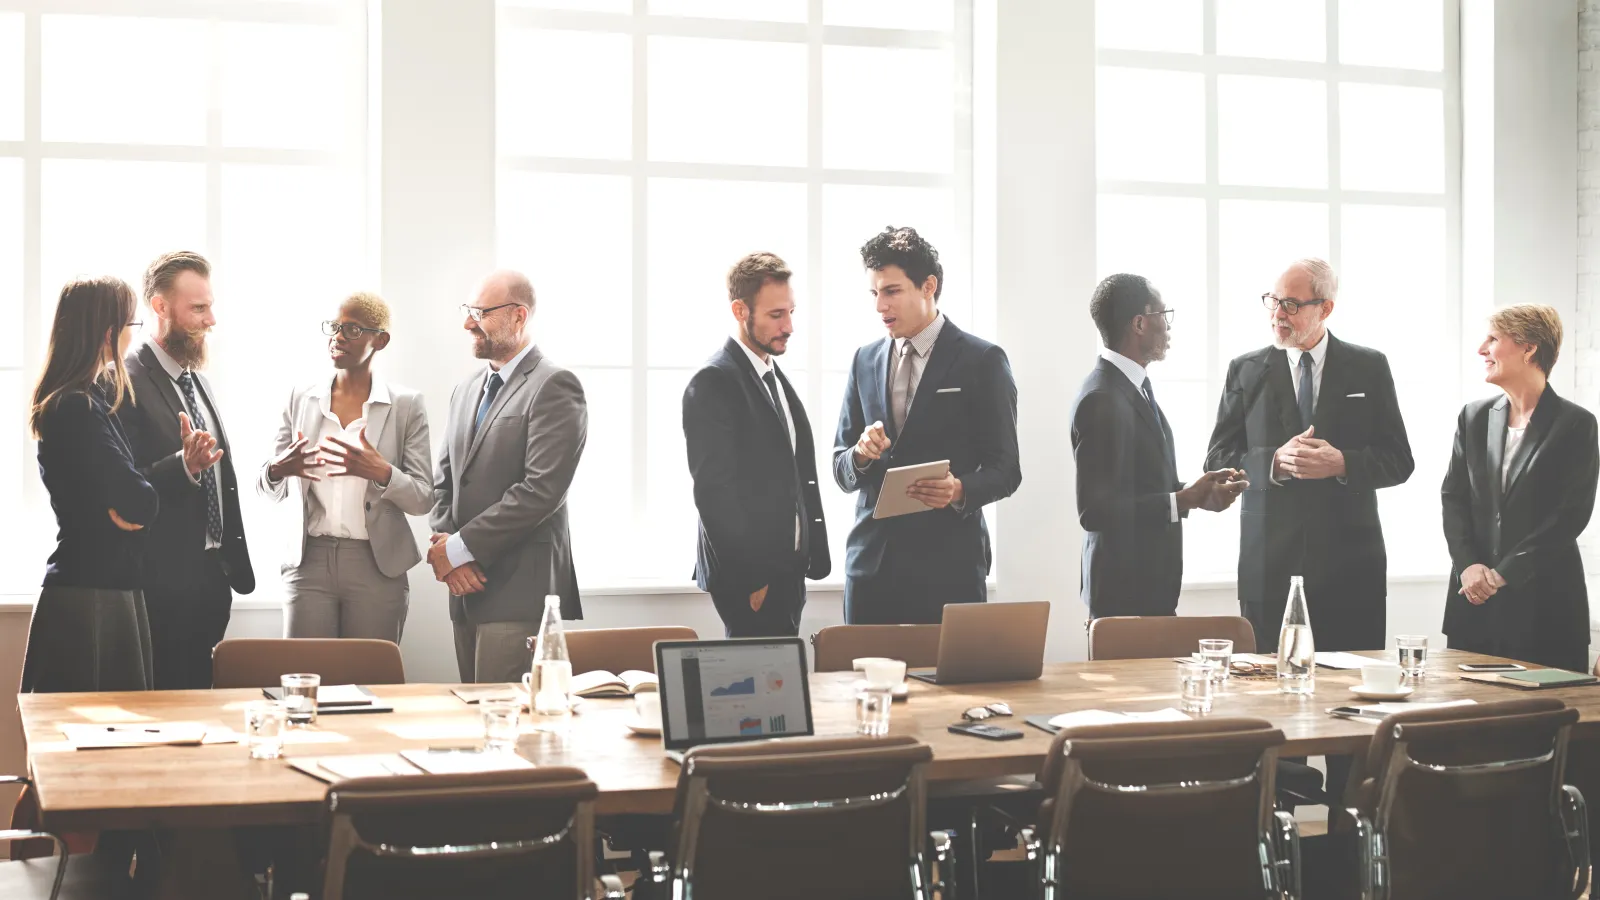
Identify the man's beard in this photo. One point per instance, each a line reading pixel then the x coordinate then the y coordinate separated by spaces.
pixel 188 348
pixel 750 332
pixel 488 347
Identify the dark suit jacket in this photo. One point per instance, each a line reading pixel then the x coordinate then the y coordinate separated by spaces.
pixel 1132 550
pixel 1528 532
pixel 965 410
pixel 175 545
pixel 1326 530
pixel 748 483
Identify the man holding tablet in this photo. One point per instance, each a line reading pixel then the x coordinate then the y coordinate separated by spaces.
pixel 929 393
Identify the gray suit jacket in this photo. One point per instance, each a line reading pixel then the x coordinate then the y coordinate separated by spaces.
pixel 504 489
pixel 399 430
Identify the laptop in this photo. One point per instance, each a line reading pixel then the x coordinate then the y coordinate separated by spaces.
pixel 989 642
pixel 723 692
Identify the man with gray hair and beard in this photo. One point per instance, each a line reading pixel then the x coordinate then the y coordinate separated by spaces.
pixel 515 433
pixel 1316 426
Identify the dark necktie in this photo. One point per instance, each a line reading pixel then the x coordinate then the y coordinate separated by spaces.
pixel 1307 381
pixel 771 381
pixel 489 392
pixel 208 478
pixel 1150 397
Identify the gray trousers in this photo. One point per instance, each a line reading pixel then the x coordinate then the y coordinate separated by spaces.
pixel 493 652
pixel 338 592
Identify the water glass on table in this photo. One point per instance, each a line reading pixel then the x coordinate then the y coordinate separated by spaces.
pixel 501 723
pixel 876 697
pixel 264 723
pixel 1217 652
pixel 1411 651
pixel 1195 682
pixel 300 698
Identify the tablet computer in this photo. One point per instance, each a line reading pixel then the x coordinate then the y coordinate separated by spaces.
pixel 892 499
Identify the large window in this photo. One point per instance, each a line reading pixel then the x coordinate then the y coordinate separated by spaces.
pixel 129 128
pixel 646 145
pixel 1234 136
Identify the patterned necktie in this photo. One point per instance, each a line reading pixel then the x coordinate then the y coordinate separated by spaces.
pixel 900 392
pixel 1307 404
pixel 489 392
pixel 208 478
pixel 771 381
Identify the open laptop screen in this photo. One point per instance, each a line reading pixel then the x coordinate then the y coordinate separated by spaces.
pixel 736 690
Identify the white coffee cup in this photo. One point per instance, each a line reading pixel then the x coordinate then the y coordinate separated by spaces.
pixel 1381 675
pixel 647 706
pixel 884 674
pixel 860 662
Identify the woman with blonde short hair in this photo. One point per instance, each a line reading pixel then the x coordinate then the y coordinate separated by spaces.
pixel 1519 491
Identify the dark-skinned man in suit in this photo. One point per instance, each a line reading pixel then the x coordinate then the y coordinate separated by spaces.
pixel 1130 502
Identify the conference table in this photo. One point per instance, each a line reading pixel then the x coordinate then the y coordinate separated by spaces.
pixel 218 785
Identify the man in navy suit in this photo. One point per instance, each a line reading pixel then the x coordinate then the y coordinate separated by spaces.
pixel 928 392
pixel 1130 502
pixel 754 464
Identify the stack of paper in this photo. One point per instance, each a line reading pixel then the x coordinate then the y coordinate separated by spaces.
pixel 369 765
pixel 455 762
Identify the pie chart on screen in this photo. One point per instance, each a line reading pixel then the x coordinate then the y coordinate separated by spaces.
pixel 774 682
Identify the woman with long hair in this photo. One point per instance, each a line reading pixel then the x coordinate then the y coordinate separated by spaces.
pixel 89 630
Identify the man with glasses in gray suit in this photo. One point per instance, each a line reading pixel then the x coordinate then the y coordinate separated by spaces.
pixel 515 434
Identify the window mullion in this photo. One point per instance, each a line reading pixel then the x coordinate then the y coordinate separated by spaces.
pixel 640 414
pixel 816 315
pixel 1335 160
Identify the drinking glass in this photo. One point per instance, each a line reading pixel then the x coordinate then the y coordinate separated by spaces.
pixel 264 722
pixel 300 698
pixel 500 724
pixel 1412 653
pixel 872 711
pixel 1194 686
pixel 1217 652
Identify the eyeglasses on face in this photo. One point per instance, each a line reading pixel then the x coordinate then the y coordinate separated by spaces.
pixel 351 330
pixel 979 713
pixel 477 312
pixel 1166 316
pixel 136 323
pixel 1289 304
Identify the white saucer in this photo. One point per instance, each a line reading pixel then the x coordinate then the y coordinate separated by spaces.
pixel 638 726
pixel 1372 694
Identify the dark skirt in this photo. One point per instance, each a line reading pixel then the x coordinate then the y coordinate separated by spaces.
pixel 88 639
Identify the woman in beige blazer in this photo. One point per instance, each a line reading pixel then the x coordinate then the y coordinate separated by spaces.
pixel 353 449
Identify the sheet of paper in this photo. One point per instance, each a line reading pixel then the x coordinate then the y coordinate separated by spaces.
pixel 1105 717
pixel 1340 660
pixel 154 734
pixel 367 765
pixel 348 694
pixel 456 762
pixel 480 692
pixel 1402 707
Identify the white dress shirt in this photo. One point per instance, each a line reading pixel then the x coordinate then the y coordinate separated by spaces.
pixel 1136 374
pixel 763 366
pixel 1513 441
pixel 340 510
pixel 455 549
pixel 174 371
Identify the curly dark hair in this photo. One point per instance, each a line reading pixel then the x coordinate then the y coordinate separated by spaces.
pixel 910 251
pixel 1117 301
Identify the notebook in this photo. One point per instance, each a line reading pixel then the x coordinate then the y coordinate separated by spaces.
pixel 436 761
pixel 1076 718
pixel 365 765
pixel 1536 679
pixel 84 736
pixel 335 699
pixel 604 684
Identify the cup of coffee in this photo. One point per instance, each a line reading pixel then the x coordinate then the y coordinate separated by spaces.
pixel 884 674
pixel 1381 675
pixel 647 706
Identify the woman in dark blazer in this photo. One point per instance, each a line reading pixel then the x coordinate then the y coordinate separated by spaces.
pixel 89 630
pixel 1519 491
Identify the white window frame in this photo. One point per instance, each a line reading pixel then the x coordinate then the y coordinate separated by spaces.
pixel 641 25
pixel 1213 191
pixel 33 150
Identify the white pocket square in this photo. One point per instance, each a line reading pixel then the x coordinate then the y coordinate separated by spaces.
pixel 1362 394
pixel 948 391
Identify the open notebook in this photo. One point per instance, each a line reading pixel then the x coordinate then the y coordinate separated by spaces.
pixel 600 683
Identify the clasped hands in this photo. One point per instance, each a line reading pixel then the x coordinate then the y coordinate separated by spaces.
pixel 1307 458
pixel 1214 491
pixel 1479 583
pixel 936 493
pixel 462 580
pixel 360 460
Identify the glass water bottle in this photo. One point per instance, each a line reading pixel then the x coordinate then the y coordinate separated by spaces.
pixel 552 670
pixel 1297 665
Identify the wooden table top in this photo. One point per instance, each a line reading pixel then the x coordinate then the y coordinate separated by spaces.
pixel 219 785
